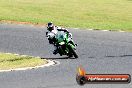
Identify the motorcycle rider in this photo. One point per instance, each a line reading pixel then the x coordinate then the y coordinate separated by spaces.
pixel 54 29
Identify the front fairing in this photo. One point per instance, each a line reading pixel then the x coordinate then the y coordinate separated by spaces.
pixel 61 36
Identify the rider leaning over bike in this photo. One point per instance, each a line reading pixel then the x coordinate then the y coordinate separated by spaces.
pixel 54 29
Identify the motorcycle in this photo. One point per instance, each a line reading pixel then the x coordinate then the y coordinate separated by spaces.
pixel 63 43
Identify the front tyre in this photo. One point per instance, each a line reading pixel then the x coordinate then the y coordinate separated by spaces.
pixel 72 52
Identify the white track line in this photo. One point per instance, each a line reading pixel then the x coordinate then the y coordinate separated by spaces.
pixel 49 63
pixel 101 30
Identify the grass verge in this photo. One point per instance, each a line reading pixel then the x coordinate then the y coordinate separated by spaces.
pixel 95 14
pixel 12 61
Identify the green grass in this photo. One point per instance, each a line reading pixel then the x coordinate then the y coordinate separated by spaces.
pixel 97 14
pixel 11 61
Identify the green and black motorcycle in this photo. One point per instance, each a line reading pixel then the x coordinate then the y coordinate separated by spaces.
pixel 64 45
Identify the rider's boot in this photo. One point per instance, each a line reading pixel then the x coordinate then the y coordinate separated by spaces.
pixel 55 52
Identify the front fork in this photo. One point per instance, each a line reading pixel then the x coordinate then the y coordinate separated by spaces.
pixel 72 44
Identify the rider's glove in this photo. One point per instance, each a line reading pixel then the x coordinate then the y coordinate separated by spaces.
pixel 70 35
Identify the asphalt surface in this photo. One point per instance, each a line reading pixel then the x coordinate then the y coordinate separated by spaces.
pixel 99 52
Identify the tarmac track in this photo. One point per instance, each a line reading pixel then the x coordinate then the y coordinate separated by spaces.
pixel 99 52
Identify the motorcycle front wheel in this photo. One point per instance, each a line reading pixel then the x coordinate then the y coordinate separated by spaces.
pixel 72 52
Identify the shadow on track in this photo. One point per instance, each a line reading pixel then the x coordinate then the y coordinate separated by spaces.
pixel 53 58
